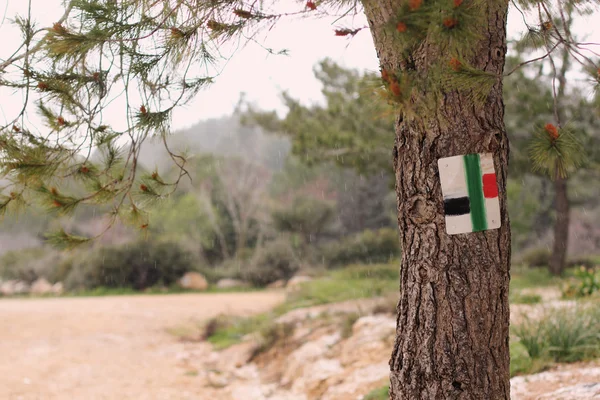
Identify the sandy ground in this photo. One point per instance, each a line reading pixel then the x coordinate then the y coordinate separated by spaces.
pixel 115 348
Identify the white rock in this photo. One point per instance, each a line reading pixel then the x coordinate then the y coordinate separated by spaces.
pixel 284 395
pixel 318 372
pixel 354 384
pixel 247 392
pixel 230 283
pixel 582 391
pixel 309 352
pixel 7 288
pixel 247 373
pixel 193 281
pixel 58 288
pixel 218 379
pixel 20 287
pixel 520 385
pixel 374 327
pixel 41 286
pixel 236 356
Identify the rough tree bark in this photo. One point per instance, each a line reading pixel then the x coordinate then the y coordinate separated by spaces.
pixel 453 314
pixel 561 227
pixel 562 207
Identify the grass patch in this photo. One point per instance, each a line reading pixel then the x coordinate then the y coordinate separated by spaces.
pixel 383 393
pixel 522 364
pixel 353 282
pixel 559 335
pixel 359 281
pixel 524 277
pixel 223 331
pixel 524 298
pixel 583 283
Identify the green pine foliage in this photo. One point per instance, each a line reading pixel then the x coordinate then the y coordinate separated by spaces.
pixel 555 151
pixel 354 129
pixel 158 55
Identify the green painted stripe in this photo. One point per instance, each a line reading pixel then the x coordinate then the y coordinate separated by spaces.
pixel 475 189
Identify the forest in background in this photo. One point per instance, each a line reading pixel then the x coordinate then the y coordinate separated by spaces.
pixel 270 196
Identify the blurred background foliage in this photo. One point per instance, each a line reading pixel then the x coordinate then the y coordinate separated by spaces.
pixel 274 195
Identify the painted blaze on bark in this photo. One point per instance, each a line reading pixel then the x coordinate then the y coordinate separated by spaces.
pixel 453 314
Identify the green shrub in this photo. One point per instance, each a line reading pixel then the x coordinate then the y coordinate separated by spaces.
pixel 30 264
pixel 522 364
pixel 531 334
pixel 520 361
pixel 224 331
pixel 572 336
pixel 585 282
pixel 274 262
pixel 138 266
pixel 366 247
pixel 537 257
pixel 562 335
pixel 524 298
pixel 306 216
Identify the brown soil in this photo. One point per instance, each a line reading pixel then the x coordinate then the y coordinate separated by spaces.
pixel 107 347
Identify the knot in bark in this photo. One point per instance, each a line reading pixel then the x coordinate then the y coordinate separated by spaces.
pixel 420 210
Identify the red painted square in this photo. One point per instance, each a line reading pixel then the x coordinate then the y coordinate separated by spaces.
pixel 490 189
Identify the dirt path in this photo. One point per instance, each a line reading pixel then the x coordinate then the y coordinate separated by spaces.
pixel 113 348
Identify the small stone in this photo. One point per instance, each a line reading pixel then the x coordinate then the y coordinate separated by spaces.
pixel 576 392
pixel 41 287
pixel 20 287
pixel 58 288
pixel 230 284
pixel 193 281
pixel 218 379
pixel 8 288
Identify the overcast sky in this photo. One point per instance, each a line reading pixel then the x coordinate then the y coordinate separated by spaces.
pixel 252 70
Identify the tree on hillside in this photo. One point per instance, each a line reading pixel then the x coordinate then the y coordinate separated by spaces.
pixel 442 66
pixel 549 97
pixel 352 129
pixel 529 105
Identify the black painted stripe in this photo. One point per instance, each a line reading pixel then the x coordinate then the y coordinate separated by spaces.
pixel 457 206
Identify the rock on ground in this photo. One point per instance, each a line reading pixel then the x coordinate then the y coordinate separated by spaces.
pixel 20 287
pixel 7 288
pixel 193 281
pixel 41 286
pixel 576 392
pixel 230 283
pixel 58 288
pixel 580 378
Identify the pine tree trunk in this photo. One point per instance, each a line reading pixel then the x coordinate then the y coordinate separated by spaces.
pixel 562 208
pixel 561 227
pixel 453 314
